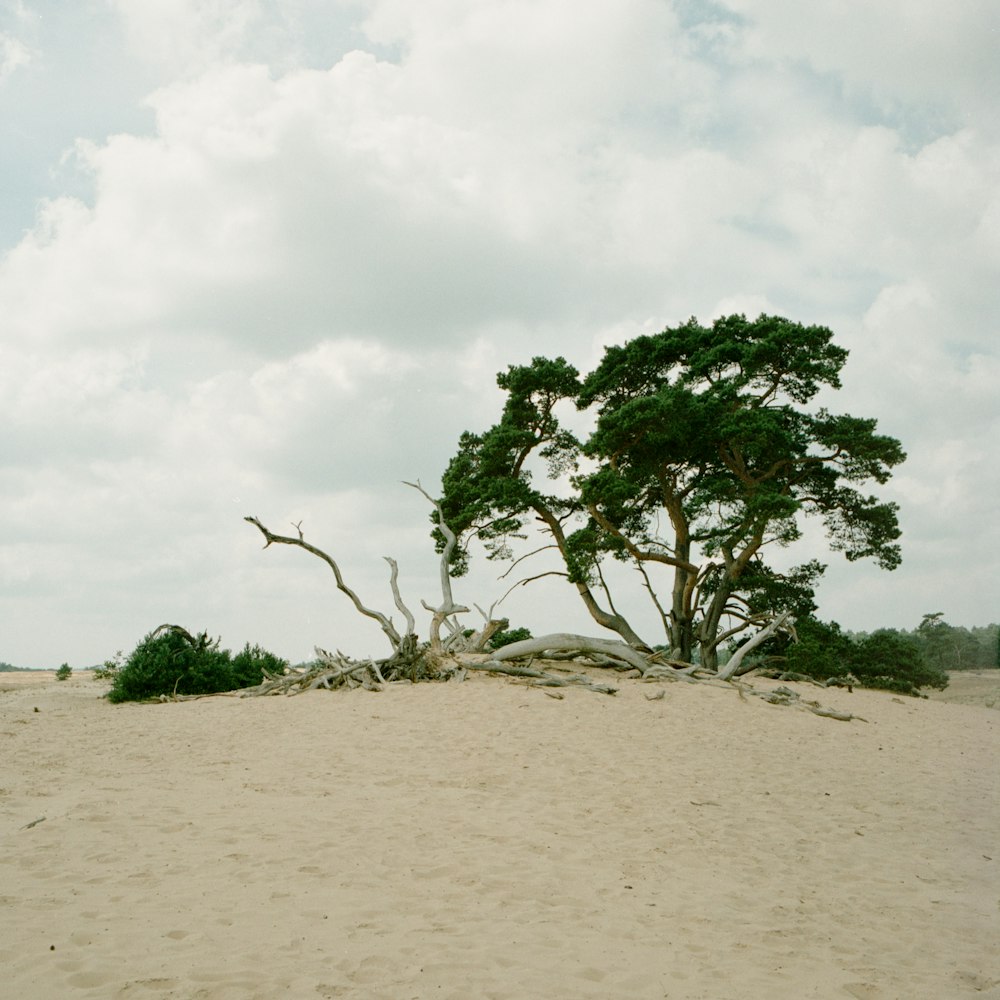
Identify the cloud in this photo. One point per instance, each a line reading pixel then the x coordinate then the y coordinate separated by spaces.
pixel 13 55
pixel 291 288
pixel 897 53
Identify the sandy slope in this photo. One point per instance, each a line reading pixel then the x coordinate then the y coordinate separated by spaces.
pixel 484 840
pixel 971 687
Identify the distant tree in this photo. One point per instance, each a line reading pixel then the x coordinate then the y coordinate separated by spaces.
pixel 891 659
pixel 64 672
pixel 948 647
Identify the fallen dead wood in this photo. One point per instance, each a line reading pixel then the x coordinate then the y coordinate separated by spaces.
pixel 832 713
pixel 568 642
pixel 540 677
pixel 335 670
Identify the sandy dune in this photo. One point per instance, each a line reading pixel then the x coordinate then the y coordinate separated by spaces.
pixel 483 840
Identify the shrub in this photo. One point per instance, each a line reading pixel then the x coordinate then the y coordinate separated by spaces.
pixel 891 660
pixel 887 659
pixel 499 639
pixel 822 652
pixel 109 668
pixel 251 664
pixel 170 661
pixel 64 672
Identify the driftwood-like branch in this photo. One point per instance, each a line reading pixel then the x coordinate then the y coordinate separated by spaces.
pixel 540 677
pixel 385 623
pixel 731 669
pixel 567 642
pixel 397 597
pixel 448 607
pixel 335 670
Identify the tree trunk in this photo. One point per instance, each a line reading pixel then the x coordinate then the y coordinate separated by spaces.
pixel 565 641
pixel 606 619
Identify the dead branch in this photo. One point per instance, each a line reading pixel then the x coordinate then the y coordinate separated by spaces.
pixel 397 597
pixel 448 606
pixel 524 581
pixel 385 623
pixel 731 669
pixel 527 555
pixel 567 642
pixel 541 677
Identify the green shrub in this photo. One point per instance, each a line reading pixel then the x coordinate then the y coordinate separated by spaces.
pixel 822 652
pixel 108 670
pixel 886 659
pixel 64 672
pixel 499 639
pixel 252 663
pixel 892 660
pixel 171 661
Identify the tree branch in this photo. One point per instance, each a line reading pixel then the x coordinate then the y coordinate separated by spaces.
pixel 270 538
pixel 732 667
pixel 448 606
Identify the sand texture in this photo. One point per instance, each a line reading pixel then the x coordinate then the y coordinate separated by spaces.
pixel 484 840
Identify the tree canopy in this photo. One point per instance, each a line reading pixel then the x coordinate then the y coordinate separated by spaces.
pixel 704 450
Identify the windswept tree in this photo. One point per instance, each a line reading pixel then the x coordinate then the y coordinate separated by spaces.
pixel 704 452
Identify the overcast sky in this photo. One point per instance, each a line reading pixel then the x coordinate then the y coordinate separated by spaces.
pixel 266 257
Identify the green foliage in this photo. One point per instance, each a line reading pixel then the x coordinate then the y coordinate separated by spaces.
pixel 505 638
pixel 947 647
pixel 10 668
pixel 251 664
pixel 170 661
pixel 702 452
pixel 892 660
pixel 108 670
pixel 823 650
pixel 887 659
pixel 64 672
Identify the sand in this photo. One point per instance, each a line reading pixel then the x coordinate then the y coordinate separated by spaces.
pixel 483 840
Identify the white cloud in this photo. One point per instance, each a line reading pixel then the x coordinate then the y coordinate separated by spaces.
pixel 185 35
pixel 295 289
pixel 13 55
pixel 898 52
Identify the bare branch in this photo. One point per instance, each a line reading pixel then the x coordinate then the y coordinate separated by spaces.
pixel 527 555
pixel 526 580
pixel 386 625
pixel 540 677
pixel 394 584
pixel 731 669
pixel 448 606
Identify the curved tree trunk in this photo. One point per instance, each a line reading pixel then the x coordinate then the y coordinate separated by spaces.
pixel 606 619
pixel 568 642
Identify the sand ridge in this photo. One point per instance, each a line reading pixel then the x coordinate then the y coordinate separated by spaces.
pixel 485 840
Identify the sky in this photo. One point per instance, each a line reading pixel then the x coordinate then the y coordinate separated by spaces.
pixel 266 257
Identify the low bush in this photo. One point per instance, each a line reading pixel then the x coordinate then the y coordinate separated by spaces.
pixel 505 638
pixel 886 659
pixel 252 663
pixel 171 661
pixel 64 672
